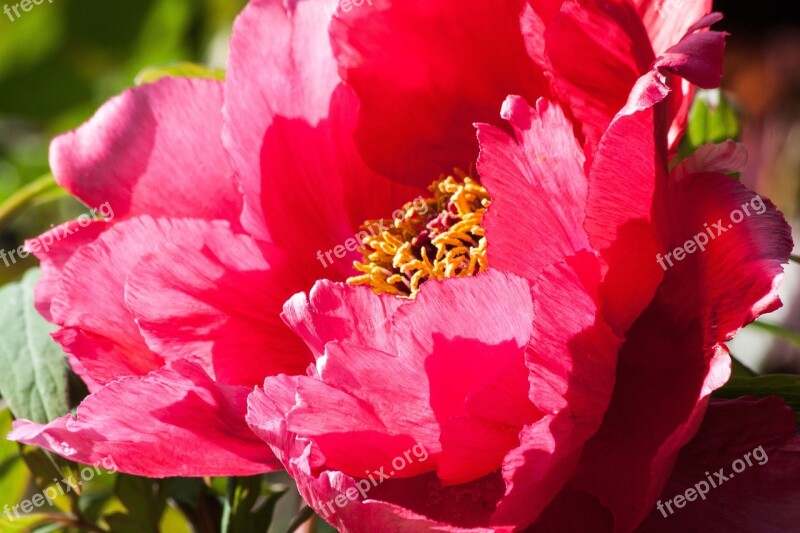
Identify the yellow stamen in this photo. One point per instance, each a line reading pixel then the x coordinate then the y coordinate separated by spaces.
pixel 444 241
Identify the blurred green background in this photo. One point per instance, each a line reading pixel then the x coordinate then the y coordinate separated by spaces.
pixel 61 61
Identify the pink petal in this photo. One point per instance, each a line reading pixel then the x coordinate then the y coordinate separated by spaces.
pixel 762 497
pixel 280 64
pixel 615 51
pixel 439 68
pixel 446 370
pixel 572 358
pixel 336 312
pixel 726 158
pixel 266 409
pixel 153 150
pixel 460 384
pixel 173 422
pixel 668 21
pixel 98 328
pixel 53 249
pixel 316 191
pixel 289 128
pixel 619 212
pixel 216 300
pixel 697 57
pixel 675 348
pixel 626 464
pixel 538 187
pixel 735 279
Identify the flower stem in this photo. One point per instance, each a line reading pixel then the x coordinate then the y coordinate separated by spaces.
pixel 23 197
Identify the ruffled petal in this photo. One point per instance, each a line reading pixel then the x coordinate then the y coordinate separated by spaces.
pixel 336 312
pixel 216 300
pixel 173 422
pixel 97 326
pixel 429 377
pixel 353 505
pixel 53 249
pixel 724 254
pixel 538 188
pixel 154 150
pixel 675 349
pixel 725 158
pixel 615 52
pixel 667 22
pixel 620 205
pixel 438 68
pixel 280 64
pixel 572 357
pixel 756 437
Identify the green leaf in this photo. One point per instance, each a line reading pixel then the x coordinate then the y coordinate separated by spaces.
pixel 23 524
pixel 178 70
pixel 739 370
pixel 36 389
pixel 14 477
pixel 47 472
pixel 712 119
pixel 786 386
pixel 779 331
pixel 145 499
pixel 242 495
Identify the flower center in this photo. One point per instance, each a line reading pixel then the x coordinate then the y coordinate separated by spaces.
pixel 430 238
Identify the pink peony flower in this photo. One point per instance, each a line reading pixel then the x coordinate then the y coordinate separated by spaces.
pixel 225 194
pixel 561 443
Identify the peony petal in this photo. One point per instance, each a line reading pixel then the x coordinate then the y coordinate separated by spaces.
pixel 53 249
pixel 620 205
pixel 173 422
pixel 696 58
pixel 733 278
pixel 626 464
pixel 98 328
pixel 674 350
pixel 280 64
pixel 337 312
pixel 668 21
pixel 289 129
pixel 154 150
pixel 425 72
pixel 726 158
pixel 615 51
pixel 316 191
pixel 216 300
pixel 572 358
pixel 760 437
pixel 538 188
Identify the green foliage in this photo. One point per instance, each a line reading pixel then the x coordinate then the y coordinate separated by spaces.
pixel 14 476
pixel 712 119
pixel 784 385
pixel 182 70
pixel 36 389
